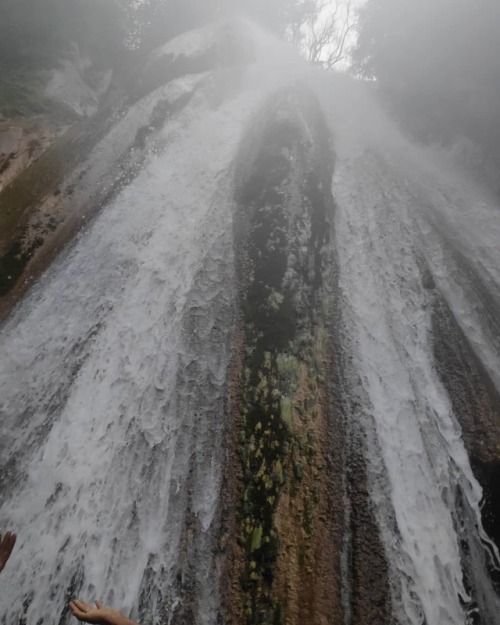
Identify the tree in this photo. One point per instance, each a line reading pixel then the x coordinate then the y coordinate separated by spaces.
pixel 324 33
pixel 320 29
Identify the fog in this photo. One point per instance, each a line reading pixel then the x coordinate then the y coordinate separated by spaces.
pixel 436 62
pixel 249 310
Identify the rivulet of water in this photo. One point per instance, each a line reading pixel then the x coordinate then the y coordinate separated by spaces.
pixel 389 205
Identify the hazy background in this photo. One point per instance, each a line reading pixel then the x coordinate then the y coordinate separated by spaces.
pixel 436 62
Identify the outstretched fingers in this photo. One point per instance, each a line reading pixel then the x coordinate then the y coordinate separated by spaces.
pixel 79 608
pixel 89 613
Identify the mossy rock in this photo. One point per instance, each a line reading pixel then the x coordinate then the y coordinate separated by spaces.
pixel 256 540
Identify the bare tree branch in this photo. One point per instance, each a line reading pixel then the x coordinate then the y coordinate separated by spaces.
pixel 322 30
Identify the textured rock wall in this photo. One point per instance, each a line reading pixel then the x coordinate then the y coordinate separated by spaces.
pixel 293 552
pixel 64 182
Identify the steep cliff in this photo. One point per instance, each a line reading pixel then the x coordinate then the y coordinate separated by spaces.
pixel 252 371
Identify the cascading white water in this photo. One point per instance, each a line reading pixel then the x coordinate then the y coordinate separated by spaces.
pixel 113 370
pixel 384 227
pixel 112 386
pixel 389 322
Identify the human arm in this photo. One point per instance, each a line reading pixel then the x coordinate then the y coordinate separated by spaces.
pixel 7 543
pixel 102 615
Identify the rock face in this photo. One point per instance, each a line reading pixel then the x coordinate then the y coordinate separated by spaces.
pixel 52 185
pixel 283 234
pixel 10 140
pixel 304 542
pixel 22 142
pixel 72 90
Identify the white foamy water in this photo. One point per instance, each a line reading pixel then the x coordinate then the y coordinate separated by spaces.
pixel 112 379
pixel 389 201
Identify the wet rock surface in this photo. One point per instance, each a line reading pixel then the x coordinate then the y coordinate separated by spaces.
pixel 47 203
pixel 289 561
pixel 476 403
pixel 61 182
pixel 22 141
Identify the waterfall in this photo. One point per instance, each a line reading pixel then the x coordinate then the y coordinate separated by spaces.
pixel 115 369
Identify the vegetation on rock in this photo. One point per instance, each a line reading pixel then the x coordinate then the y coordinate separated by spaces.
pixel 285 204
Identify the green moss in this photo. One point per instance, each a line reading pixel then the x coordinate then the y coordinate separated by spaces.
pixel 280 321
pixel 256 540
pixel 287 412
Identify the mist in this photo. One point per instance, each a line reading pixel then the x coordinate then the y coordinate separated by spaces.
pixel 249 312
pixel 437 65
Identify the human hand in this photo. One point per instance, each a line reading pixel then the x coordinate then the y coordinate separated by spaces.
pixel 88 614
pixel 102 615
pixel 6 546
